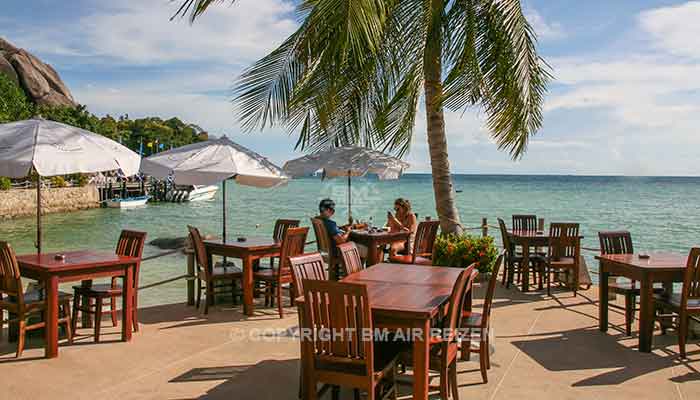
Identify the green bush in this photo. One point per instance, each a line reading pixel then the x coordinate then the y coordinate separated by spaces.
pixel 14 105
pixel 5 183
pixel 58 182
pixel 461 251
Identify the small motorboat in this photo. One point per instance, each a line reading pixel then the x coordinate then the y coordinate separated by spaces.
pixel 128 202
pixel 181 194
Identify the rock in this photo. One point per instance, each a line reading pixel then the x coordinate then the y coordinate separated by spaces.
pixel 7 48
pixel 7 69
pixel 50 75
pixel 33 82
pixel 55 99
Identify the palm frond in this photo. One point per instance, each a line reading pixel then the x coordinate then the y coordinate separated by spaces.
pixel 195 8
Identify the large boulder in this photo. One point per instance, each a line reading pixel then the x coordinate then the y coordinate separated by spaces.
pixel 40 81
pixel 7 69
pixel 33 82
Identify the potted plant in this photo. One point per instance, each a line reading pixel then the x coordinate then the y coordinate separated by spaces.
pixel 453 250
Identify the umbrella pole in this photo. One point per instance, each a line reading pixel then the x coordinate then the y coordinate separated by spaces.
pixel 38 214
pixel 349 198
pixel 223 233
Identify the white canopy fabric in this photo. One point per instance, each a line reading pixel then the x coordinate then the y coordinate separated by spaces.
pixel 337 162
pixel 213 161
pixel 53 149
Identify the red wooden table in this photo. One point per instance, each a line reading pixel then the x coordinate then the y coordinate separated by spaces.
pixel 77 266
pixel 374 240
pixel 252 249
pixel 659 267
pixel 408 297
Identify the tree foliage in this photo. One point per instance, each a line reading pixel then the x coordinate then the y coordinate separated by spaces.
pixel 14 104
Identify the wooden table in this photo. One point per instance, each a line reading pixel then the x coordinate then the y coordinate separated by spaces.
pixel 408 297
pixel 660 267
pixel 254 248
pixel 527 239
pixel 373 240
pixel 78 265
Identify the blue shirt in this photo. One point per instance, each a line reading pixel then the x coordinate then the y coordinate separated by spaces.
pixel 332 228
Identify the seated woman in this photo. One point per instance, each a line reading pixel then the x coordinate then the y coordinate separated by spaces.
pixel 404 220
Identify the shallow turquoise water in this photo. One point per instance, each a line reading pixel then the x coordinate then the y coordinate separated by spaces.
pixel 661 213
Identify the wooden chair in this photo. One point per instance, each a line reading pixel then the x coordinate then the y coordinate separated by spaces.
pixel 130 244
pixel 445 348
pixel 523 222
pixel 481 322
pixel 512 259
pixel 21 305
pixel 210 279
pixel 620 242
pixel 324 243
pixel 281 226
pixel 422 247
pixel 686 304
pixel 293 242
pixel 345 359
pixel 563 253
pixel 351 258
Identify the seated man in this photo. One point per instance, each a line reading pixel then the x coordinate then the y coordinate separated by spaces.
pixel 326 210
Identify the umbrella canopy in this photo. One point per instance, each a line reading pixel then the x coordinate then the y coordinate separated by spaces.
pixel 52 148
pixel 348 160
pixel 213 161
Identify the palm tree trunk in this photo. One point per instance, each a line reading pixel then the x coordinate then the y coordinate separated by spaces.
pixel 437 140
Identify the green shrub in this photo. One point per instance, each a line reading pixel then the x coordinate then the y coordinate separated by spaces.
pixel 14 105
pixel 58 181
pixel 461 251
pixel 5 183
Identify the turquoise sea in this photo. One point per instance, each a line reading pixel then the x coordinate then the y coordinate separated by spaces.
pixel 663 213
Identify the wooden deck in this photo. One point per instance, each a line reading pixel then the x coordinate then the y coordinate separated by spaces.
pixel 545 349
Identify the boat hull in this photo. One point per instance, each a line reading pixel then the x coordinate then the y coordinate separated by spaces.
pixel 131 202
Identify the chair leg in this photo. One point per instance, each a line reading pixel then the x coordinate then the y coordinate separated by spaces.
pixel 199 293
pixel 466 346
pixel 443 383
pixel 549 281
pixel 356 394
pixel 453 381
pixel 629 312
pixel 74 317
pixel 22 336
pixel 487 351
pixel 280 308
pixel 209 294
pixel 483 361
pixel 682 332
pixel 98 319
pixel 335 393
pixel 68 321
pixel 135 314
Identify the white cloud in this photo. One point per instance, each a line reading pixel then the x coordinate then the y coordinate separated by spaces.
pixel 674 29
pixel 544 29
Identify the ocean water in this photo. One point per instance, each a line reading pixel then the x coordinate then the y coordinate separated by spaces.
pixel 663 213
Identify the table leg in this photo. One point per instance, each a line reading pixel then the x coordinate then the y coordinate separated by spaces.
pixel 248 307
pixel 51 330
pixel 646 315
pixel 525 267
pixel 127 303
pixel 603 298
pixel 86 321
pixel 372 257
pixel 421 352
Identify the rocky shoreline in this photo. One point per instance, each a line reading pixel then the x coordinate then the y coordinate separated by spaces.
pixel 22 202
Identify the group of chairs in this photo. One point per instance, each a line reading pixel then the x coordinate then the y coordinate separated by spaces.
pixel 26 307
pixel 347 359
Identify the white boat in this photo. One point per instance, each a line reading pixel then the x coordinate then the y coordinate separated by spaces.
pixel 191 193
pixel 129 202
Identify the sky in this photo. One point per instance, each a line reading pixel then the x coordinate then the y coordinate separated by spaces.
pixel 625 99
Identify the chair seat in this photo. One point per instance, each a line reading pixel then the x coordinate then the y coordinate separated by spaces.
pixel 626 287
pixel 35 296
pixel 564 262
pixel 269 275
pixel 99 289
pixel 408 259
pixel 385 355
pixel 471 319
pixel 675 301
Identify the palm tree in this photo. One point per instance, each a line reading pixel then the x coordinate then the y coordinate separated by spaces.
pixel 353 71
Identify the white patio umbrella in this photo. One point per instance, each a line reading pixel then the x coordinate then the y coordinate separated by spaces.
pixel 211 162
pixel 51 148
pixel 347 161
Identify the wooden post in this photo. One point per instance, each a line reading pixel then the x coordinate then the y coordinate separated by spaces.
pixel 190 277
pixel 484 227
pixel 540 224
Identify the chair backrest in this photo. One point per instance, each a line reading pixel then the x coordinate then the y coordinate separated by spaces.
pixel 490 292
pixel 351 258
pixel 131 244
pixel 10 280
pixel 505 238
pixel 425 239
pixel 200 252
pixel 615 242
pixel 691 280
pixel 461 288
pixel 522 222
pixel 293 242
pixel 281 225
pixel 323 241
pixel 564 241
pixel 344 308
pixel 307 266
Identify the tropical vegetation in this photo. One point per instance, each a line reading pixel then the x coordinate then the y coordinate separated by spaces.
pixel 453 250
pixel 354 72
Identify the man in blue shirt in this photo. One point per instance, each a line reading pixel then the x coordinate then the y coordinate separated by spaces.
pixel 326 209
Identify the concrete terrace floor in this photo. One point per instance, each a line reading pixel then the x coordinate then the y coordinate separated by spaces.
pixel 546 348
